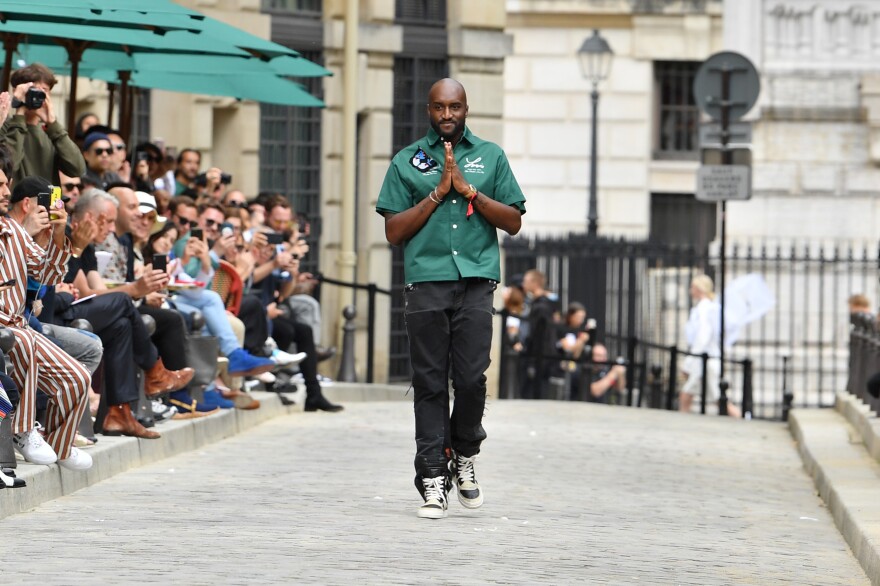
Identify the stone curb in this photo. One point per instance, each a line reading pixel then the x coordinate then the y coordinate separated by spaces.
pixel 865 421
pixel 847 478
pixel 114 455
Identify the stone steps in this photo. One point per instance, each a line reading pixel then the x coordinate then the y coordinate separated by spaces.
pixel 847 477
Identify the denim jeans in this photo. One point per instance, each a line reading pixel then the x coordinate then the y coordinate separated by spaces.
pixel 211 306
pixel 305 309
pixel 449 324
pixel 80 344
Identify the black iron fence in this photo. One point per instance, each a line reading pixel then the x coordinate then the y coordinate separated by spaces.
pixel 372 290
pixel 652 377
pixel 638 294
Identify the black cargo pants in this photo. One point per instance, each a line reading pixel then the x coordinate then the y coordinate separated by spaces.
pixel 449 324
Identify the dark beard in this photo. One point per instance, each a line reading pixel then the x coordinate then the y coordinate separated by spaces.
pixel 448 137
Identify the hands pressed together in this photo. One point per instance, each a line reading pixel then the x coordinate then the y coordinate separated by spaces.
pixel 452 177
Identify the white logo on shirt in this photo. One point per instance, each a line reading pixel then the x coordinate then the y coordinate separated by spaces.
pixel 474 166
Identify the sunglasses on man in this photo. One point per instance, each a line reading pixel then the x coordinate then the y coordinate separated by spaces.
pixel 183 222
pixel 100 152
pixel 71 186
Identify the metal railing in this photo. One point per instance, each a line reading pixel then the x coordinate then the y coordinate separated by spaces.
pixel 348 348
pixel 653 373
pixel 639 290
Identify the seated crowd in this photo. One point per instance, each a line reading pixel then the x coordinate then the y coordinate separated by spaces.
pixel 123 277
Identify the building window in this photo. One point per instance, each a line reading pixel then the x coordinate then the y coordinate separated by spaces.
pixel 290 158
pixel 678 117
pixel 420 12
pixel 304 7
pixel 679 219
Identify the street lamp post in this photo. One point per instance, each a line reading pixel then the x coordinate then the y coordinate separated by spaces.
pixel 595 56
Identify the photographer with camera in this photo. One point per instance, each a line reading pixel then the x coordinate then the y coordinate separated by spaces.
pixel 39 143
pixel 210 184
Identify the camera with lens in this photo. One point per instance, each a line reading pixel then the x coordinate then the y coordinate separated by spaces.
pixel 33 99
pixel 202 179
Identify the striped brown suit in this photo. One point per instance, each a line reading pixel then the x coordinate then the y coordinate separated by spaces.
pixel 37 362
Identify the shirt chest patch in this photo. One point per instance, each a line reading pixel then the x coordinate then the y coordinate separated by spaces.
pixel 421 161
pixel 474 166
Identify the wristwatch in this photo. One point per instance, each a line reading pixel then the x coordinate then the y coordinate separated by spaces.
pixel 472 191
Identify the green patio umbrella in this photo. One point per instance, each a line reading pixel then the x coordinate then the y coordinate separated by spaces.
pixel 76 39
pixel 85 12
pixel 261 87
pixel 55 57
pixel 190 47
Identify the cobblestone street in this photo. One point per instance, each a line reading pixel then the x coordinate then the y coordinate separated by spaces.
pixel 575 493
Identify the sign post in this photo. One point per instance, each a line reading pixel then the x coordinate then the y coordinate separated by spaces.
pixel 726 87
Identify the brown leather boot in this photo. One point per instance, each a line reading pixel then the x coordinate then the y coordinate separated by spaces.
pixel 182 377
pixel 120 421
pixel 159 380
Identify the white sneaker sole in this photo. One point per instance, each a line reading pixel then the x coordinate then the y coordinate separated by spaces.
pixel 30 458
pixel 470 503
pixel 431 513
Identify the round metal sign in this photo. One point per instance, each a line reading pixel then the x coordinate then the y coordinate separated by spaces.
pixel 744 84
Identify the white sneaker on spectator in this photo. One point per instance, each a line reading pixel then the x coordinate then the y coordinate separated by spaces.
pixel 33 448
pixel 266 378
pixel 77 460
pixel 250 384
pixel 298 378
pixel 270 344
pixel 282 358
pixel 161 411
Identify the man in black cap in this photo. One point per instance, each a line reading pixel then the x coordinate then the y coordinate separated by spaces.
pixel 98 153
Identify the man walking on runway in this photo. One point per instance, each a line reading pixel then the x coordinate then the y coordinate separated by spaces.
pixel 442 200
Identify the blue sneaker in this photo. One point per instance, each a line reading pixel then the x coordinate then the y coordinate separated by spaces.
pixel 213 398
pixel 187 407
pixel 243 363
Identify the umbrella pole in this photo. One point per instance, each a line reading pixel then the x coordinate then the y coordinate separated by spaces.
pixel 10 43
pixel 110 103
pixel 74 54
pixel 124 105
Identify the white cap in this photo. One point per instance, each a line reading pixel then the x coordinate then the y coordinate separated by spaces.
pixel 147 204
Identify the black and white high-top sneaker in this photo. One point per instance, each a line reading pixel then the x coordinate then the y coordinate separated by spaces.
pixel 434 491
pixel 470 495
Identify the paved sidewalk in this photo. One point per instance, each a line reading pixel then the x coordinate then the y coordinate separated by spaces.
pixel 575 493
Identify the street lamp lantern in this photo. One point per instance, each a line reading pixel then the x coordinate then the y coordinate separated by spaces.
pixel 595 57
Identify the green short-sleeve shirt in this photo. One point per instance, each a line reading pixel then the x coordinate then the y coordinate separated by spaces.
pixel 450 246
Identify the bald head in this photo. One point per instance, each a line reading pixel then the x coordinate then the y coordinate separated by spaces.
pixel 445 87
pixel 447 109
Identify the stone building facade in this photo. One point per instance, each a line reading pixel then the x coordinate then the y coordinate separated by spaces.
pixel 816 129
